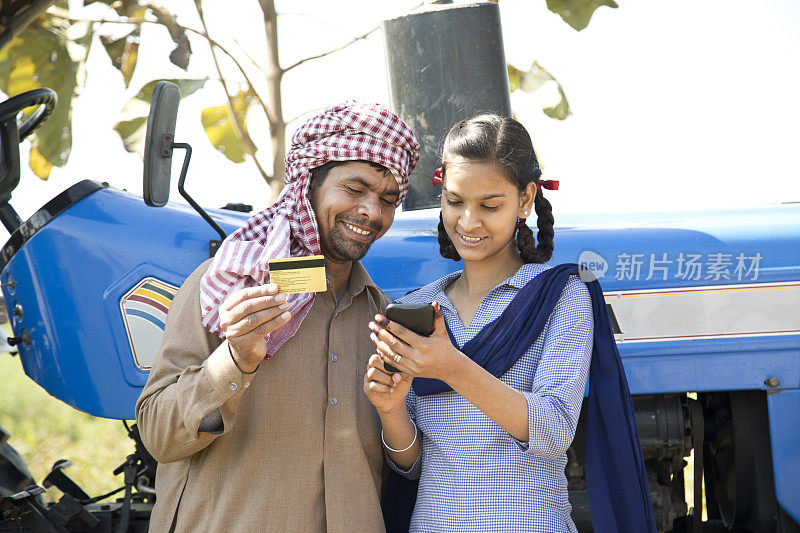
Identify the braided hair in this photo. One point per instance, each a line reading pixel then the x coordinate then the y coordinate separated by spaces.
pixel 504 142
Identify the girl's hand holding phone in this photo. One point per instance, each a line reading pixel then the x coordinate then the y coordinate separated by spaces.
pixel 414 355
pixel 386 390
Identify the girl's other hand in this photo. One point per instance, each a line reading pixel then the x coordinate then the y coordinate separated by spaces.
pixel 386 390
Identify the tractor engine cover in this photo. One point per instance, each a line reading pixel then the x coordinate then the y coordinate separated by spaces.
pixel 88 281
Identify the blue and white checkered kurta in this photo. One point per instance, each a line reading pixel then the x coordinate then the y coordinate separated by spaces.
pixel 474 476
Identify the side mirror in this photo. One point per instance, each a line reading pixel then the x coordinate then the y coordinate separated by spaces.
pixel 158 143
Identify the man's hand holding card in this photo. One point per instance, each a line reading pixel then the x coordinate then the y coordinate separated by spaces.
pixel 252 313
pixel 247 317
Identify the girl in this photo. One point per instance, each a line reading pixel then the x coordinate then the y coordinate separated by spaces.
pixel 497 388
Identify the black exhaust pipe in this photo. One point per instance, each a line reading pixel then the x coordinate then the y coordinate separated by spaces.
pixel 446 63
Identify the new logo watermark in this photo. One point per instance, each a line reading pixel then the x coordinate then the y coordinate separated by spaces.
pixel 591 266
pixel 663 266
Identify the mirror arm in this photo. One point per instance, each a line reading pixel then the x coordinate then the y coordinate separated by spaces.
pixel 9 217
pixel 188 198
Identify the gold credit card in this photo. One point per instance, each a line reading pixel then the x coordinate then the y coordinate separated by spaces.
pixel 298 274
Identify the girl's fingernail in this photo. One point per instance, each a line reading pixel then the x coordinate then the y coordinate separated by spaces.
pixel 284 306
pixel 373 337
pixel 286 315
pixel 280 298
pixel 373 326
pixel 382 320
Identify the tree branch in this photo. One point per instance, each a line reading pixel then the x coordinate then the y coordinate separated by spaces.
pixel 214 43
pixel 274 75
pixel 238 126
pixel 329 52
pixel 130 20
pixel 204 35
pixel 24 15
pixel 249 57
pixel 306 112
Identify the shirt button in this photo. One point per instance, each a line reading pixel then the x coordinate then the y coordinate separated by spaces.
pixel 333 357
pixel 334 401
pixel 246 384
pixel 233 386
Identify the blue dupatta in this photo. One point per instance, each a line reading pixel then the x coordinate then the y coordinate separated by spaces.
pixel 616 480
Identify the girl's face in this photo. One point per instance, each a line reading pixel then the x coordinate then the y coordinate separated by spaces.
pixel 480 208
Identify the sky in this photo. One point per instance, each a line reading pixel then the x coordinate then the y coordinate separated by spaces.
pixel 679 105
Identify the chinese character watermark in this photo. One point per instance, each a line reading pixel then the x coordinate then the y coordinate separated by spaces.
pixel 664 266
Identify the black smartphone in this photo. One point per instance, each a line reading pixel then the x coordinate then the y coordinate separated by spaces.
pixel 416 317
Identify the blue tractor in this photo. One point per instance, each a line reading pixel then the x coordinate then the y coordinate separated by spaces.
pixel 704 305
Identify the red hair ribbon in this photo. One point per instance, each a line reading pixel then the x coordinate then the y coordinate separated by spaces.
pixel 551 185
pixel 520 223
pixel 437 177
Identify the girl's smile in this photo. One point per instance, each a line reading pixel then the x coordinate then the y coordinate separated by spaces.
pixel 470 240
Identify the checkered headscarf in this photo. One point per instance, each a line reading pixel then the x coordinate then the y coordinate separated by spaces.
pixel 288 228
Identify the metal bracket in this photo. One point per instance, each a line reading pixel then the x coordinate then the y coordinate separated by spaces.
pixel 212 249
pixel 57 478
pixel 166 146
pixel 25 337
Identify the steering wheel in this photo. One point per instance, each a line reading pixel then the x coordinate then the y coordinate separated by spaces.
pixel 11 134
pixel 44 98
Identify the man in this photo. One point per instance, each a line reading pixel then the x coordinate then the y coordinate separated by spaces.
pixel 268 430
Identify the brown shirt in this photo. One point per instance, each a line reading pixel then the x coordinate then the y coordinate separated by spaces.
pixel 293 447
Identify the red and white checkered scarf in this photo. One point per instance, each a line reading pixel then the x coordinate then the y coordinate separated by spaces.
pixel 288 228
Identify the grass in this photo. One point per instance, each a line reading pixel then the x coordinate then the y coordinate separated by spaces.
pixel 44 429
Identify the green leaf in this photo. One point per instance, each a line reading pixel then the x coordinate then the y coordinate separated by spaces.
pixel 48 55
pixel 186 86
pixel 129 59
pixel 123 53
pixel 219 126
pixel 183 49
pixel 534 79
pixel 578 13
pixel 114 48
pixel 39 164
pixel 531 80
pixel 559 111
pixel 132 130
pixel 513 77
pixel 132 133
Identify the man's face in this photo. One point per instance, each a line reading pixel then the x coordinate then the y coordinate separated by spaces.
pixel 354 206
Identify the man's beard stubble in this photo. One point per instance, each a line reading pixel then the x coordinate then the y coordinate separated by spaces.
pixel 341 246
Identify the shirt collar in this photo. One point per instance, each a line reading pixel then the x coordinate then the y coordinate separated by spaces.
pixel 526 272
pixel 521 277
pixel 359 280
